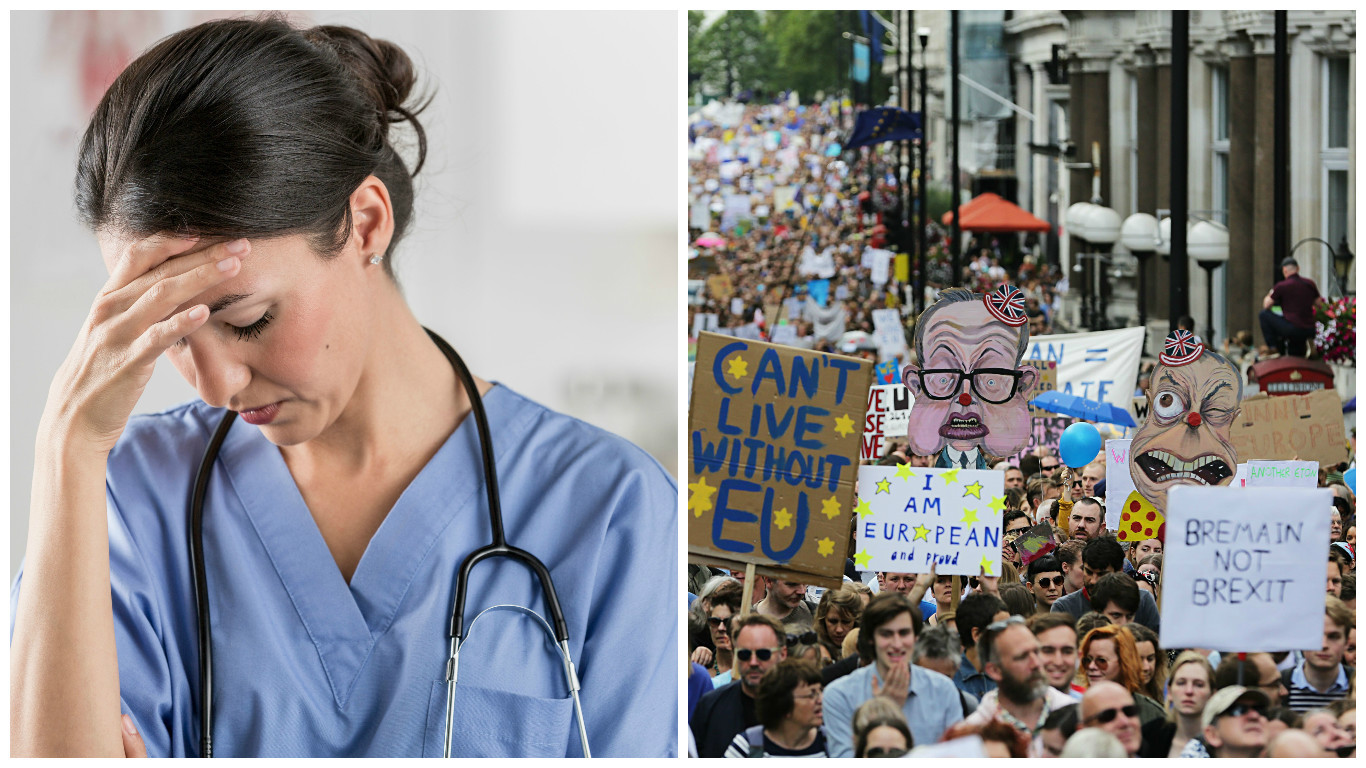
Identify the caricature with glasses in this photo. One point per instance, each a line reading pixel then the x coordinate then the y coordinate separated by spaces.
pixel 971 394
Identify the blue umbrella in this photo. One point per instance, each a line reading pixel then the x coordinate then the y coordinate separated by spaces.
pixel 1081 408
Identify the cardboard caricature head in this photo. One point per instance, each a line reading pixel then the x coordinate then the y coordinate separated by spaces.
pixel 1193 400
pixel 962 333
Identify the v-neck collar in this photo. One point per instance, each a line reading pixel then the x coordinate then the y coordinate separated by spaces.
pixel 345 621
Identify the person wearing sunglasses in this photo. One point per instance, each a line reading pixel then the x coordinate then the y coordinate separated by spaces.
pixel 1108 653
pixel 1111 708
pixel 887 634
pixel 1235 721
pixel 1045 581
pixel 724 605
pixel 1010 656
pixel 791 714
pixel 880 730
pixel 760 644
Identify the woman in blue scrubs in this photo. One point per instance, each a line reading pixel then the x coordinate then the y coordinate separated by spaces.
pixel 247 201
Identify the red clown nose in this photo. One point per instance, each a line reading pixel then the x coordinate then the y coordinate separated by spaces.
pixel 1193 419
pixel 964 399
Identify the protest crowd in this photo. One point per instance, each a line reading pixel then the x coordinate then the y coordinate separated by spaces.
pixel 1059 654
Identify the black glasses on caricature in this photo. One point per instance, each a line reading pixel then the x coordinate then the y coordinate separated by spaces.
pixel 1106 715
pixel 762 654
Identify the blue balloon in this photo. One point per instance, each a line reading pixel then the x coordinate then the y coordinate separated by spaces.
pixel 1351 477
pixel 1079 444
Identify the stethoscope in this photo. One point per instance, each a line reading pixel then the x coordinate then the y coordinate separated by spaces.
pixel 458 632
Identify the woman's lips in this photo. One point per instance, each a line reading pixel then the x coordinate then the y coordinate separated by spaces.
pixel 261 416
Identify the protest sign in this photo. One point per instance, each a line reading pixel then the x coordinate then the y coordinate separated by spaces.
pixel 1243 568
pixel 1284 474
pixel 772 454
pixel 887 372
pixel 889 408
pixel 719 287
pixel 901 268
pixel 819 291
pixel 1307 427
pixel 1240 477
pixel 910 519
pixel 695 293
pixel 784 198
pixel 881 267
pixel 1118 483
pixel 1045 432
pixel 1098 366
pixel 888 333
pixel 1035 542
pixel 784 334
pixel 794 305
pixel 705 321
pixel 1048 381
pixel 699 214
pixel 737 305
pixel 735 211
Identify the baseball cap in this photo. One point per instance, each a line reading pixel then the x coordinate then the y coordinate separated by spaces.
pixel 1289 261
pixel 1224 698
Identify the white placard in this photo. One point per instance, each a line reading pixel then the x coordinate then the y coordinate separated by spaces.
pixel 882 261
pixel 1240 477
pixel 1243 568
pixel 705 321
pixel 737 305
pixel 1284 474
pixel 888 334
pixel 1118 482
pixel 889 412
pixel 910 518
pixel 1097 366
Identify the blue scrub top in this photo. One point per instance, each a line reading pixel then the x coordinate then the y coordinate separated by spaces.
pixel 308 665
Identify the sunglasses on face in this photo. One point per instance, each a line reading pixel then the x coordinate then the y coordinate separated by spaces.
pixel 1238 710
pixel 1046 582
pixel 1102 664
pixel 805 638
pixel 762 654
pixel 1105 716
pixel 884 752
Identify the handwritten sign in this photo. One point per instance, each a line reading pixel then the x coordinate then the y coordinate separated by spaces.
pixel 705 321
pixel 773 447
pixel 1044 433
pixel 720 287
pixel 1118 482
pixel 1285 474
pixel 1308 427
pixel 784 334
pixel 1098 366
pixel 1048 381
pixel 889 412
pixel 912 518
pixel 1244 568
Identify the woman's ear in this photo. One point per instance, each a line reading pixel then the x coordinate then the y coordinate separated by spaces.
pixel 372 217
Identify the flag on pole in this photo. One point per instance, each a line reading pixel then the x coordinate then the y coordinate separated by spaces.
pixel 879 124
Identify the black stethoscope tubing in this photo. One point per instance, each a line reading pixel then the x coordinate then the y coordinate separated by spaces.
pixel 498 547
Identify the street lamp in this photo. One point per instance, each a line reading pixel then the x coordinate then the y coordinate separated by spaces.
pixel 1342 259
pixel 1074 220
pixel 1102 227
pixel 1139 234
pixel 1207 243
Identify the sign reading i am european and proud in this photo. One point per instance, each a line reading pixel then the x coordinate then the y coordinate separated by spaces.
pixel 910 518
pixel 773 451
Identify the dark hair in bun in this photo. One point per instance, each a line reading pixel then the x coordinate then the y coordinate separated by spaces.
pixel 250 128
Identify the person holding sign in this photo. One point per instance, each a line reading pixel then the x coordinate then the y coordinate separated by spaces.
pixel 971 392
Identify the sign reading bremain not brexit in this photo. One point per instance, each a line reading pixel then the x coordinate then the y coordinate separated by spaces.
pixel 773 450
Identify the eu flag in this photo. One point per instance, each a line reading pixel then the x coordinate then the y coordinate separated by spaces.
pixel 880 124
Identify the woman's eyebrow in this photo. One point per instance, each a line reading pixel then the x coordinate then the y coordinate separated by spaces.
pixel 227 301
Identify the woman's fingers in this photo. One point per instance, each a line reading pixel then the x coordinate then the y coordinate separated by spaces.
pixel 133 258
pixel 164 283
pixel 133 745
pixel 161 336
pixel 164 296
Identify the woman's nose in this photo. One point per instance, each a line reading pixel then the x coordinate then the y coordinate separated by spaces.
pixel 218 375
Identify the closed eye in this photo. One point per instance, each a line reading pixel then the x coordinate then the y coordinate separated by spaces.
pixel 253 331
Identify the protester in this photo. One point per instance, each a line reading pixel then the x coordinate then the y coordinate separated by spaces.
pixel 1091 474
pixel 1235 720
pixel 1099 557
pixel 1022 698
pixel 837 613
pixel 937 648
pixel 1189 687
pixel 1018 598
pixel 1045 581
pixel 887 633
pixel 999 739
pixel 1109 653
pixel 1093 743
pixel 1259 671
pixel 1322 678
pixel 1322 724
pixel 1111 708
pixel 1116 596
pixel 974 614
pixel 730 709
pixel 1151 659
pixel 725 603
pixel 786 602
pixel 1087 520
pixel 880 730
pixel 788 705
pixel 1069 558
pixel 1141 549
pixel 1058 728
pixel 1057 635
pixel 1295 743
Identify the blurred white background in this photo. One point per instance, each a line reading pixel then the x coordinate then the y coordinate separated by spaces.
pixel 543 247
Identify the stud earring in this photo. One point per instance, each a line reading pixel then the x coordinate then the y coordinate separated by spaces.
pixel 377 258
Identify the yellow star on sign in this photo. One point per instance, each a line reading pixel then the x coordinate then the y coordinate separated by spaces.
pixel 830 508
pixel 969 516
pixel 825 547
pixel 738 368
pixel 903 472
pixel 988 567
pixel 844 425
pixel 951 476
pixel 973 490
pixel 782 518
pixel 921 532
pixel 862 559
pixel 700 499
pixel 884 486
pixel 998 504
pixel 863 508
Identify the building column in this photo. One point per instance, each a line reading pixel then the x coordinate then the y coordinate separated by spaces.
pixel 1242 300
pixel 1160 306
pixel 1263 169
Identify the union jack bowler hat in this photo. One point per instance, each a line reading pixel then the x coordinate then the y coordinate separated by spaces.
pixel 1007 305
pixel 1181 348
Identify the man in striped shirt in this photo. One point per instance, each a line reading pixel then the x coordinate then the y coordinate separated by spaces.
pixel 1322 678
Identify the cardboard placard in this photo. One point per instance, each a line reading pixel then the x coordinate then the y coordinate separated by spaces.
pixel 910 518
pixel 772 457
pixel 889 410
pixel 1048 381
pixel 1283 474
pixel 1307 427
pixel 1244 568
pixel 719 287
pixel 1118 482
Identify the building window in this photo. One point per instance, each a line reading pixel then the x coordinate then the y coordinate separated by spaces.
pixel 1336 101
pixel 1335 159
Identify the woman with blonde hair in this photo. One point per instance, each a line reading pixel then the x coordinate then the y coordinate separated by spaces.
pixel 1190 683
pixel 1152 660
pixel 837 613
pixel 1109 653
pixel 880 729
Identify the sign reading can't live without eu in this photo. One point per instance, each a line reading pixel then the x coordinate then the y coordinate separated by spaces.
pixel 910 518
pixel 773 447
